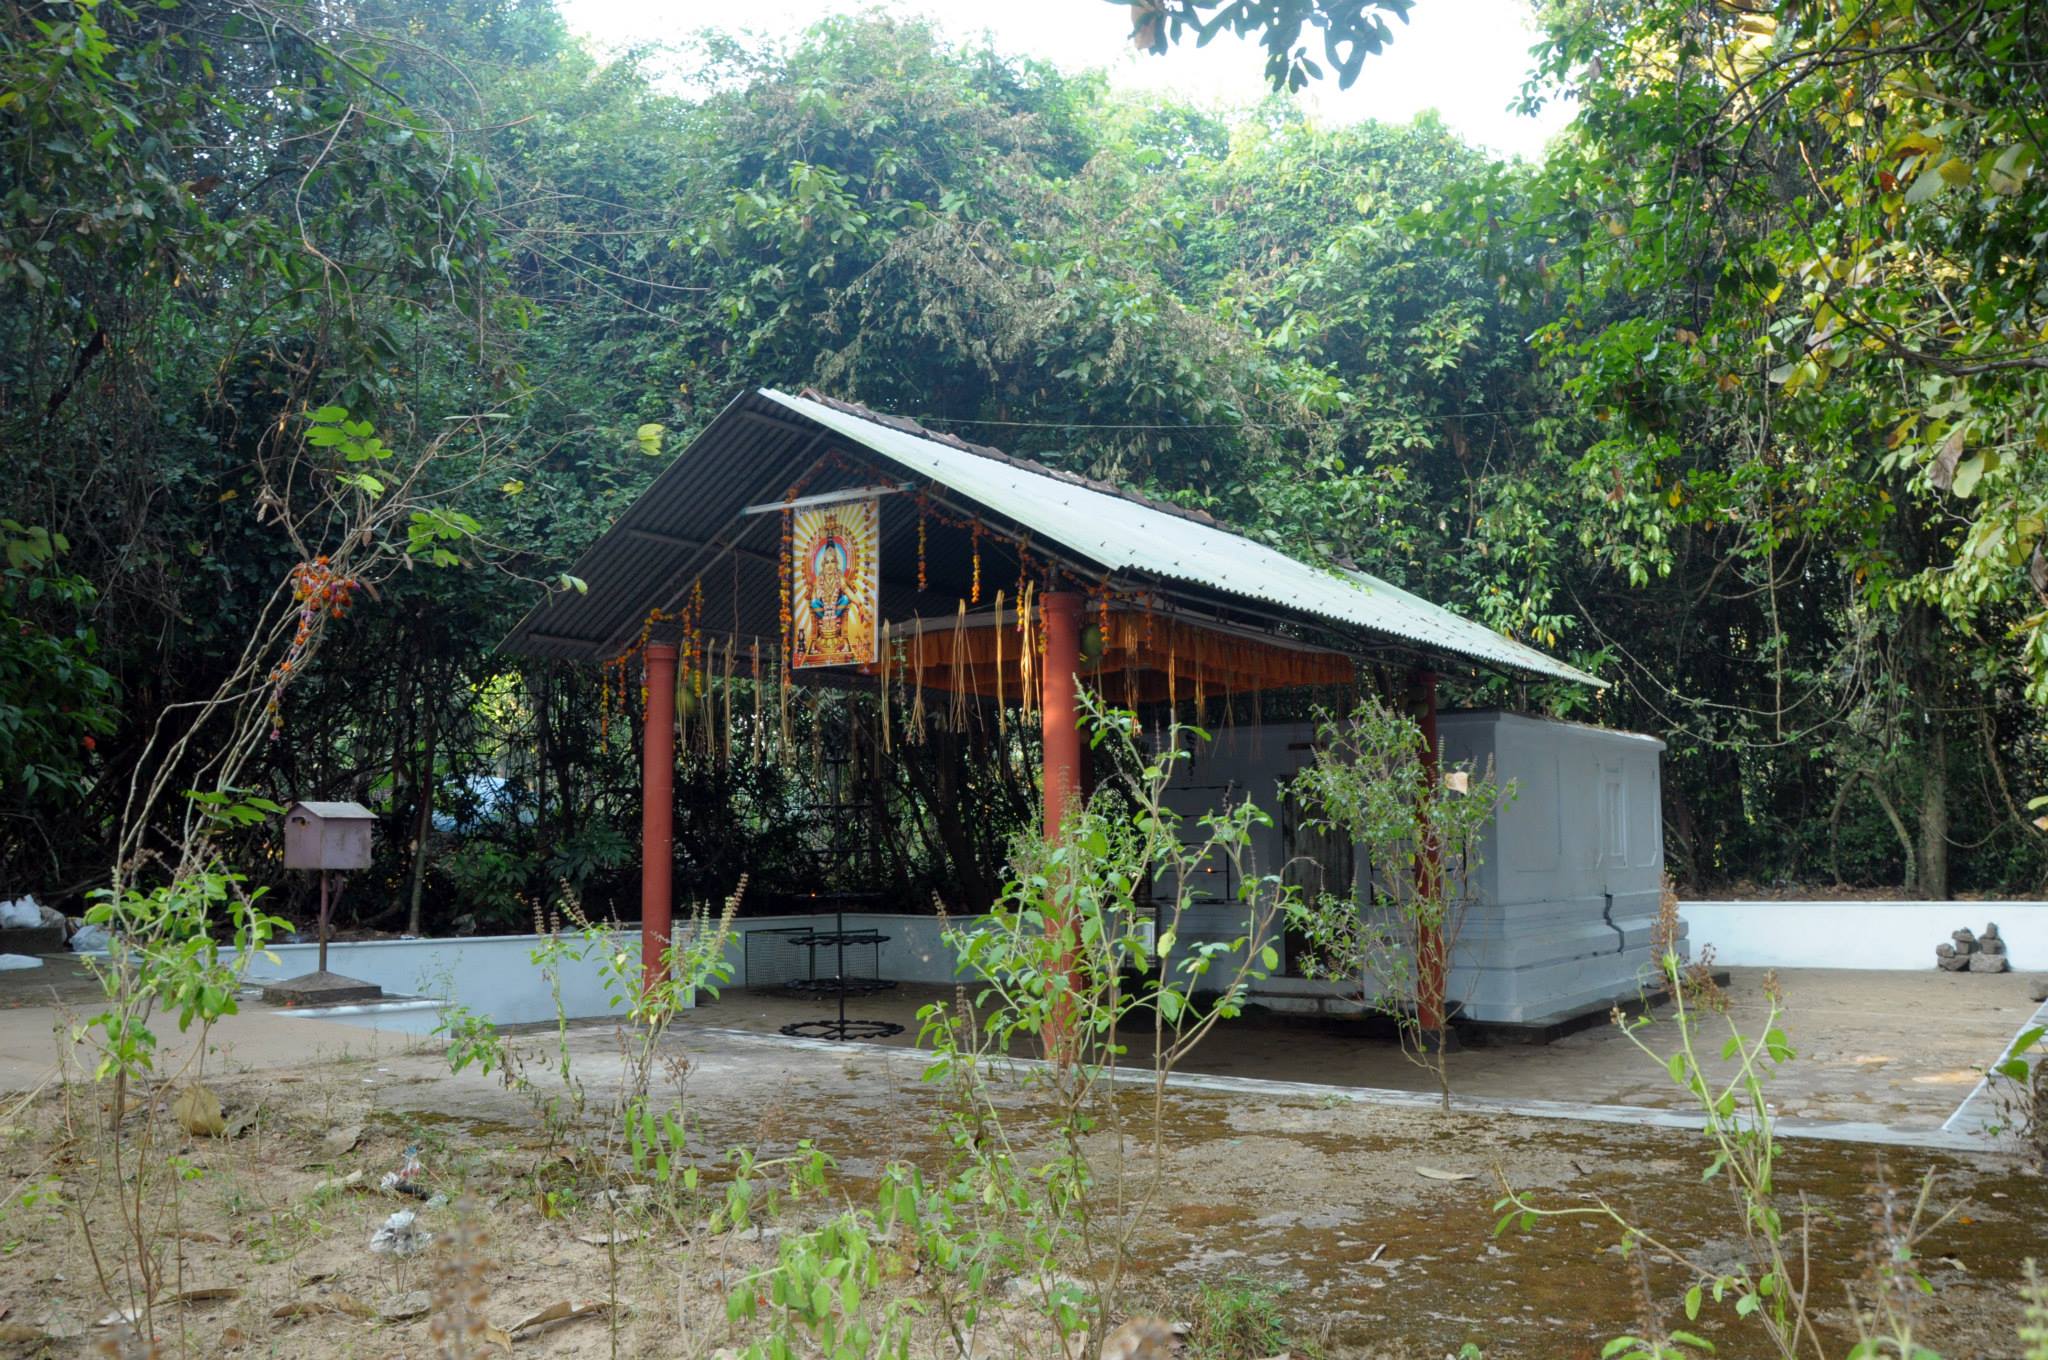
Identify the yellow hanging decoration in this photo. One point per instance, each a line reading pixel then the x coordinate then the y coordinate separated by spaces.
pixel 758 700
pixel 782 698
pixel 685 705
pixel 882 693
pixel 1002 718
pixel 1026 685
pixel 725 737
pixel 696 620
pixel 1173 679
pixel 914 727
pixel 956 714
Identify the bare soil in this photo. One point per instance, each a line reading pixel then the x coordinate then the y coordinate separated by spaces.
pixel 1324 1199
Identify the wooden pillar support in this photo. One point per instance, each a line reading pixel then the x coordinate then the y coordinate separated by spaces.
pixel 1061 708
pixel 1061 711
pixel 657 810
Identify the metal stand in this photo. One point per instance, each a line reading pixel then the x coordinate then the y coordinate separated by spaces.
pixel 320 987
pixel 327 906
pixel 841 1029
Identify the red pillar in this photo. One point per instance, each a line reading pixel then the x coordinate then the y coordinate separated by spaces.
pixel 1059 675
pixel 657 809
pixel 1430 964
pixel 1063 610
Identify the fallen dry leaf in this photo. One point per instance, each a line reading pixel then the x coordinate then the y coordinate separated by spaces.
pixel 562 1310
pixel 197 1111
pixel 203 1293
pixel 498 1335
pixel 1435 1174
pixel 346 1305
pixel 206 1293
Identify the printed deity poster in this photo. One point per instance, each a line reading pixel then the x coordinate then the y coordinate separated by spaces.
pixel 833 579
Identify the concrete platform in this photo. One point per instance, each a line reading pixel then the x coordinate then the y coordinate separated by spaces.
pixel 320 988
pixel 41 1009
pixel 1882 1049
pixel 1891 1050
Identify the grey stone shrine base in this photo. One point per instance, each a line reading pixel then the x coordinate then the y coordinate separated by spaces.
pixel 320 989
pixel 32 940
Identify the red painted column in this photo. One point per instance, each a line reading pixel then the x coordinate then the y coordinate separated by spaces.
pixel 657 809
pixel 1062 663
pixel 1059 673
pixel 1430 964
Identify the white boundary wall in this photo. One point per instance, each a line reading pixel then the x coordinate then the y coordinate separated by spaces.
pixel 495 975
pixel 1885 935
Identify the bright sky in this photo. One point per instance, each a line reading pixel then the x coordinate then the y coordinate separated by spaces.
pixel 1464 58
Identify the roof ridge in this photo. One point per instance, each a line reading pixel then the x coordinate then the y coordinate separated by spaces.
pixel 905 425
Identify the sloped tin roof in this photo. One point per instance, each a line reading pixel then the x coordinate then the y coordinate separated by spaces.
pixel 1124 534
pixel 690 516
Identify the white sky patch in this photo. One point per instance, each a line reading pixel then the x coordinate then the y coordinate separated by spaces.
pixel 1467 59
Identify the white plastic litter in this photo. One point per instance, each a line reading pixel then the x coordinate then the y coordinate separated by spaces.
pixel 90 940
pixel 10 962
pixel 400 1236
pixel 22 913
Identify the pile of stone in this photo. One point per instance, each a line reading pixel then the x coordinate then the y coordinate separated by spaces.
pixel 1971 953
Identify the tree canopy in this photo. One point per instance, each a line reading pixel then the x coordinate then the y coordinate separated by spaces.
pixel 1734 399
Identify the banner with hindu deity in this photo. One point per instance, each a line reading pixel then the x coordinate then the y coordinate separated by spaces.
pixel 833 580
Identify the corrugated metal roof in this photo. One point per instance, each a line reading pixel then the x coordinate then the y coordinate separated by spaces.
pixel 1124 534
pixel 688 521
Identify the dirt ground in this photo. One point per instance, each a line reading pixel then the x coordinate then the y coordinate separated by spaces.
pixel 1324 1199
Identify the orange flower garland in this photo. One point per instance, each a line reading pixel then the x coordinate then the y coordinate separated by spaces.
pixel 320 594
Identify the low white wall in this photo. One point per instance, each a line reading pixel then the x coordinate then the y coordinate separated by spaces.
pixel 1895 935
pixel 494 975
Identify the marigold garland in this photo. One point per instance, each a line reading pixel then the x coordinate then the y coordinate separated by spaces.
pixel 319 594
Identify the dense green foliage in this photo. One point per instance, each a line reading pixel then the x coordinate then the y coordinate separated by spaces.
pixel 1728 401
